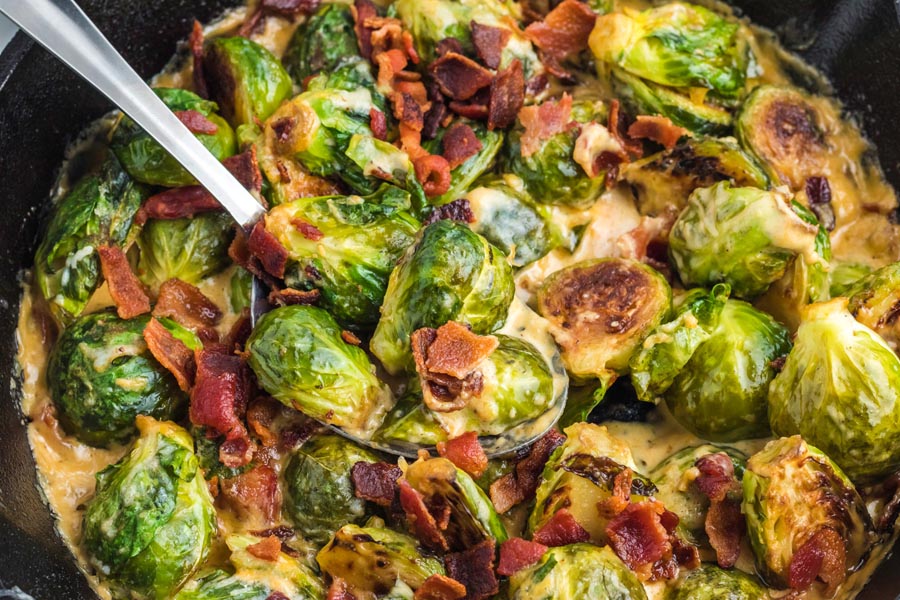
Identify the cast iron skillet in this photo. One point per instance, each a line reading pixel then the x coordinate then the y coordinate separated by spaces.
pixel 856 43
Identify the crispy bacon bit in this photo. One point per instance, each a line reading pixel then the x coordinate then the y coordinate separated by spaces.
pixel 543 122
pixel 434 118
pixel 408 111
pixel 456 351
pixel 433 172
pixel 290 296
pixel 617 125
pixel 458 210
pixel 657 128
pixel 171 353
pixel 458 76
pixel 448 45
pixel 124 287
pixel 245 168
pixel 521 484
pixel 470 110
pixel 289 8
pixel 239 333
pixel 266 549
pixel 338 590
pixel 364 10
pixel 307 230
pixel 219 400
pixel 188 306
pixel 489 43
pixel 195 42
pixel 724 522
pixel 466 453
pixel 266 247
pixel 378 124
pixel 440 587
pixel 282 532
pixel 562 529
pixel 474 568
pixel 824 557
pixel 299 433
pixel 536 85
pixel 420 519
pixel 253 496
pixel 261 415
pixel 637 534
pixel 196 122
pixel 818 191
pixel 460 144
pixel 564 31
pixel 507 96
pixel 516 554
pixel 276 595
pixel 350 338
pixel 375 482
pixel 177 203
pixel 620 497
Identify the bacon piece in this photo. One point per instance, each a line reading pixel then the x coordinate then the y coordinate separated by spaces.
pixel 261 415
pixel 290 296
pixel 724 523
pixel 282 532
pixel 616 123
pixel 433 172
pixel 245 168
pixel 171 353
pixel 521 484
pixel 124 287
pixel 657 128
pixel 408 111
pixel 266 247
pixel 516 554
pixel 289 8
pixel 195 42
pixel 375 482
pixel 474 568
pixel 507 96
pixel 307 230
pixel 458 210
pixel 620 497
pixel 420 518
pixel 440 587
pixel 196 122
pixel 448 45
pixel 350 338
pixel 239 333
pixel 338 590
pixel 362 11
pixel 716 477
pixel 460 144
pixel 177 203
pixel 434 118
pixel 456 351
pixel 378 124
pixel 188 306
pixel 458 76
pixel 219 401
pixel 561 530
pixel 253 496
pixel 564 31
pixel 823 556
pixel 638 536
pixel 466 453
pixel 266 549
pixel 543 122
pixel 489 43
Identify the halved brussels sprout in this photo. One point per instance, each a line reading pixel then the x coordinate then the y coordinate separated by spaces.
pixel 844 277
pixel 151 521
pixel 346 247
pixel 472 516
pixel 245 79
pixel 551 174
pixel 190 249
pixel 840 390
pixel 792 492
pixel 319 496
pixel 463 177
pixel 324 43
pixel 581 473
pixel 742 236
pixel 99 210
pixel 374 560
pixel 720 394
pixel 146 161
pixel 101 376
pixel 674 478
pixel 300 359
pixel 601 311
pixel 662 182
pixel 875 302
pixel 709 582
pixel 450 274
pixel 575 572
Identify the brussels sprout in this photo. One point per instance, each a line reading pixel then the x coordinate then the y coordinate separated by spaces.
pixel 720 394
pixel 300 358
pixel 354 245
pixel 376 560
pixel 324 43
pixel 222 585
pixel 246 80
pixel 240 289
pixel 146 161
pixel 577 571
pixel 875 302
pixel 581 473
pixel 743 236
pixel 463 176
pixel 190 249
pixel 472 516
pixel 100 210
pixel 709 582
pixel 151 520
pixel 662 182
pixel 673 478
pixel 844 276
pixel 319 496
pixel 552 175
pixel 840 390
pixel 601 311
pixel 450 274
pixel 792 491
pixel 208 457
pixel 101 376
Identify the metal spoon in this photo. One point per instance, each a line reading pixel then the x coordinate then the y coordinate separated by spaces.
pixel 65 31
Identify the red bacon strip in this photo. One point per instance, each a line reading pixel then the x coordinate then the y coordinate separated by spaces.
pixel 266 247
pixel 375 482
pixel 253 496
pixel 564 31
pixel 543 122
pixel 362 11
pixel 638 536
pixel 195 42
pixel 196 122
pixel 378 124
pixel 507 96
pixel 290 296
pixel 266 549
pixel 724 521
pixel 823 556
pixel 521 484
pixel 517 554
pixel 561 530
pixel 420 519
pixel 657 128
pixel 124 287
pixel 460 144
pixel 474 568
pixel 433 172
pixel 440 587
pixel 188 306
pixel 489 43
pixel 466 453
pixel 171 353
pixel 458 76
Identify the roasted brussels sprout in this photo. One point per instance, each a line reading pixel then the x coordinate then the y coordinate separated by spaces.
pixel 601 311
pixel 472 516
pixel 875 302
pixel 319 496
pixel 720 394
pixel 101 376
pixel 450 274
pixel 240 289
pixel 845 275
pixel 551 174
pixel 324 43
pixel 151 520
pixel 577 571
pixel 345 248
pixel 709 582
pixel 99 210
pixel 840 390
pixel 792 493
pixel 662 182
pixel 463 176
pixel 300 358
pixel 376 560
pixel 245 79
pixel 742 236
pixel 147 162
pixel 673 478
pixel 190 249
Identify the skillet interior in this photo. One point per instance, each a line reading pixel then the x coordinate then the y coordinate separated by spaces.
pixel 42 105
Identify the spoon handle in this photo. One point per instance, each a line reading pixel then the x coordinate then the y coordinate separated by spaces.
pixel 62 28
